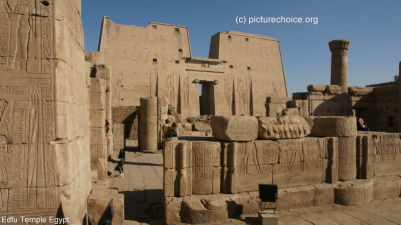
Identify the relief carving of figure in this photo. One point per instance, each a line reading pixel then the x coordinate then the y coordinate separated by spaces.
pixel 169 89
pixel 185 92
pixel 228 91
pixel 21 22
pixel 119 89
pixel 243 95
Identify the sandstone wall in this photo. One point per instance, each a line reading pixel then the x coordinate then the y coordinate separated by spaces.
pixel 254 71
pixel 127 115
pixel 242 71
pixel 208 181
pixel 44 110
pixel 144 60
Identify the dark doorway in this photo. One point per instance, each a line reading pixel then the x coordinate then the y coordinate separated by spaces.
pixel 206 98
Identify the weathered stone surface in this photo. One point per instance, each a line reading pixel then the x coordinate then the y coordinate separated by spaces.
pixel 268 219
pixel 118 139
pixel 339 63
pixel 360 91
pixel 333 89
pixel 282 127
pixel 186 126
pixel 99 200
pixel 347 168
pixel 291 112
pixel 179 80
pixel 299 95
pixel 333 126
pixel 324 194
pixel 199 126
pixel 44 103
pixel 234 128
pixel 172 210
pixel 353 192
pixel 275 105
pixel 3 140
pixel 296 197
pixel 316 88
pixel 129 116
pixel 148 124
pixel 203 210
pixel 386 148
pixel 365 156
pixel 386 187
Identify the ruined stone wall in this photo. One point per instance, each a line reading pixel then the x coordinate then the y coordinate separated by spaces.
pixel 127 115
pixel 207 181
pixel 377 104
pixel 211 168
pixel 44 117
pixel 385 109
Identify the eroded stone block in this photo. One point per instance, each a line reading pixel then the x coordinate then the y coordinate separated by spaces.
pixel 333 126
pixel 296 197
pixel 333 89
pixel 360 91
pixel 203 210
pixel 199 126
pixel 98 201
pixel 353 192
pixel 234 128
pixel 386 187
pixel 324 194
pixel 316 88
pixel 284 127
pixel 268 219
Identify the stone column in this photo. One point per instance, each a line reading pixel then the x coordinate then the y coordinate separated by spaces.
pixel 148 124
pixel 339 63
pixel 399 99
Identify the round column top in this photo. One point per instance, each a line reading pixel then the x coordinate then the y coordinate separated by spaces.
pixel 342 44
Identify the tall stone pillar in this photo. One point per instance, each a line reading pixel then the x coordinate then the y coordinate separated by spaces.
pixel 148 124
pixel 339 63
pixel 399 99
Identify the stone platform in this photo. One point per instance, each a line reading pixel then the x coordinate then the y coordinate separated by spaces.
pixel 142 188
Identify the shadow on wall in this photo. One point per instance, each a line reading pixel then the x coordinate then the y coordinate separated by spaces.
pixel 339 105
pixel 143 206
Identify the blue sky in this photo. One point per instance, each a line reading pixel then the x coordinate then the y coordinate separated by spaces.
pixel 372 26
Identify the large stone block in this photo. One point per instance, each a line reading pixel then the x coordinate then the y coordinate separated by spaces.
pixel 98 201
pixel 296 197
pixel 234 128
pixel 359 91
pixel 333 89
pixel 386 187
pixel 172 210
pixel 353 192
pixel 333 126
pixel 203 210
pixel 324 194
pixel 347 167
pixel 316 88
pixel 268 219
pixel 284 127
pixel 199 126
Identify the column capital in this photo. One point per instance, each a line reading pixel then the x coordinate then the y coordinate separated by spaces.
pixel 339 44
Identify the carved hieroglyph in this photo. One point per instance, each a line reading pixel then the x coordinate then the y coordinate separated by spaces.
pixel 27 109
pixel 44 121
